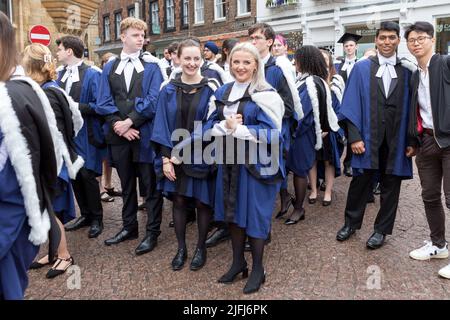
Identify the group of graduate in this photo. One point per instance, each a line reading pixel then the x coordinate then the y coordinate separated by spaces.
pixel 58 126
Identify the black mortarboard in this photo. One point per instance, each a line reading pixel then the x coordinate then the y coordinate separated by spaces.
pixel 349 37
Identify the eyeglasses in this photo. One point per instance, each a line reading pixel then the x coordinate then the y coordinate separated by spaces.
pixel 420 40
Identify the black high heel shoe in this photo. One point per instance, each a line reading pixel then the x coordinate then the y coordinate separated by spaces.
pixel 292 221
pixel 229 277
pixel 283 212
pixel 254 285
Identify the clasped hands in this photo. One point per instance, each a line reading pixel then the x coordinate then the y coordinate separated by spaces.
pixel 123 129
pixel 231 122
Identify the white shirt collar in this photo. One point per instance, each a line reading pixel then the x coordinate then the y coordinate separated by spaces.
pixel 133 58
pixel 266 58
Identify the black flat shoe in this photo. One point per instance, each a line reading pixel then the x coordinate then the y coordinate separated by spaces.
pixel 36 265
pixel 283 212
pixel 95 230
pixel 179 259
pixel 375 241
pixel 220 235
pixel 326 203
pixel 254 284
pixel 113 193
pixel 79 223
pixel 199 259
pixel 231 275
pixel 53 272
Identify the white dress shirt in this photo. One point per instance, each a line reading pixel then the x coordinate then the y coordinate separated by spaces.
pixel 241 131
pixel 348 65
pixel 71 76
pixel 127 65
pixel 386 71
pixel 424 98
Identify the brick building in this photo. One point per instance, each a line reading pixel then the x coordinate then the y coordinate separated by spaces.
pixel 174 20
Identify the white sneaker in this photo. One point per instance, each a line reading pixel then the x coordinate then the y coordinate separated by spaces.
pixel 445 272
pixel 429 251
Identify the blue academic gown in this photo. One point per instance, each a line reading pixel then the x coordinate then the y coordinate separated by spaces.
pixel 144 105
pixel 64 203
pixel 359 106
pixel 254 199
pixel 16 251
pixel 275 77
pixel 165 124
pixel 90 141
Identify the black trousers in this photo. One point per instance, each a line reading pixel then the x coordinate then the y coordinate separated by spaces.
pixel 87 194
pixel 129 171
pixel 360 189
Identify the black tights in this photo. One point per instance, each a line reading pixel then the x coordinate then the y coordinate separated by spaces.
pixel 238 237
pixel 204 214
pixel 300 185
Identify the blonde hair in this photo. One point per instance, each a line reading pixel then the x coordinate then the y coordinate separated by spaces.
pixel 38 63
pixel 131 22
pixel 259 82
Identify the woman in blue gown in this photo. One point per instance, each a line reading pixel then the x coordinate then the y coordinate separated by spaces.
pixel 182 108
pixel 38 65
pixel 312 137
pixel 246 119
pixel 27 172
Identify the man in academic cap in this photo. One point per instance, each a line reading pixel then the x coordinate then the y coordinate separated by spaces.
pixel 350 43
pixel 377 122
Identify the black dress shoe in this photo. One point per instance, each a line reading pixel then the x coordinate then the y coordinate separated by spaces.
pixel 254 283
pixel 122 236
pixel 95 230
pixel 217 237
pixel 348 171
pixel 345 233
pixel 231 275
pixel 199 259
pixel 292 221
pixel 179 259
pixel 287 206
pixel 147 244
pixel 375 241
pixel 79 223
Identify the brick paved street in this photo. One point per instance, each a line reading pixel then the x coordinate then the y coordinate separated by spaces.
pixel 303 261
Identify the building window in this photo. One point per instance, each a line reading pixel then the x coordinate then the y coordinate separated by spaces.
pixel 132 12
pixel 4 6
pixel 170 15
pixel 220 9
pixel 244 7
pixel 118 20
pixel 154 16
pixel 199 11
pixel 185 13
pixel 443 35
pixel 106 29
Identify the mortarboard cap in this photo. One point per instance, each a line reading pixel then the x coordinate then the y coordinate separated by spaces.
pixel 349 37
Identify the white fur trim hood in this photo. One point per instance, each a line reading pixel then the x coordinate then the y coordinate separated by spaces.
pixel 19 154
pixel 332 118
pixel 61 151
pixel 149 58
pixel 284 64
pixel 338 86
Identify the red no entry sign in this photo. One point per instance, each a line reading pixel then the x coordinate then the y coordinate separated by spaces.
pixel 40 34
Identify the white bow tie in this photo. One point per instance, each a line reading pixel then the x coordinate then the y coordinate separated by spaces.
pixel 73 73
pixel 133 58
pixel 387 64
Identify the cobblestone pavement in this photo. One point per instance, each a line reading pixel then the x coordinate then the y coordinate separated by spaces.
pixel 303 261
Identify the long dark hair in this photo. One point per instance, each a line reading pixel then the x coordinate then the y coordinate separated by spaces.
pixel 228 44
pixel 330 64
pixel 8 51
pixel 309 59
